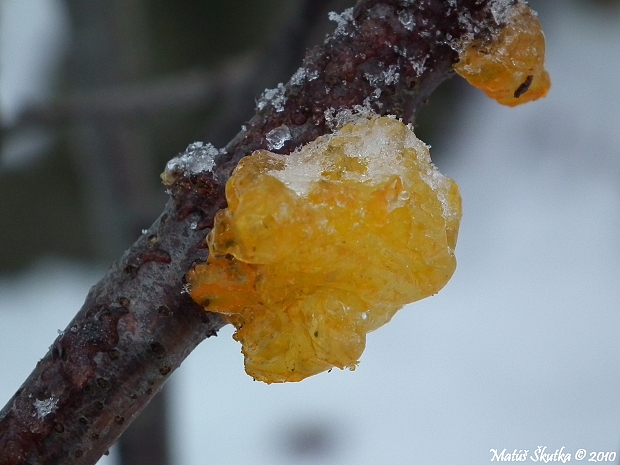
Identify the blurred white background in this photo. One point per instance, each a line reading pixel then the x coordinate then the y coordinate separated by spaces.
pixel 521 349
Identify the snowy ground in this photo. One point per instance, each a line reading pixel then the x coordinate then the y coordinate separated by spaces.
pixel 521 348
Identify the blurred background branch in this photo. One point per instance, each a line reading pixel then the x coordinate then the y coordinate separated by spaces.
pixel 185 92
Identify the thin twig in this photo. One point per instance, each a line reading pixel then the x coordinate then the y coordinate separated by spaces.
pixel 183 92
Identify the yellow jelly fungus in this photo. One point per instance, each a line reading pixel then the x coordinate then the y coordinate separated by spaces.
pixel 511 67
pixel 320 247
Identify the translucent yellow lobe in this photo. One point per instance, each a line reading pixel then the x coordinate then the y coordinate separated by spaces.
pixel 509 68
pixel 318 248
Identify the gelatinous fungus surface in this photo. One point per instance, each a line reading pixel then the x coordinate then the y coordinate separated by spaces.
pixel 510 67
pixel 320 247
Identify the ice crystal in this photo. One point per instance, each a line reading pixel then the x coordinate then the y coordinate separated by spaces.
pixel 299 77
pixel 277 137
pixel 341 20
pixel 407 19
pixel 45 407
pixel 302 75
pixel 501 10
pixel 198 157
pixel 372 99
pixel 337 119
pixel 275 97
pixel 419 65
pixel 373 79
pixel 390 76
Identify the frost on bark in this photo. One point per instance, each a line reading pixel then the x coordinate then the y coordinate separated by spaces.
pixel 137 324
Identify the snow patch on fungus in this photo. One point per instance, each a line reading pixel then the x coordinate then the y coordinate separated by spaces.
pixel 320 247
pixel 511 67
pixel 197 158
pixel 501 10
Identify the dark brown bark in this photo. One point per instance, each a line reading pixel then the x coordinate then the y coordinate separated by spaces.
pixel 137 324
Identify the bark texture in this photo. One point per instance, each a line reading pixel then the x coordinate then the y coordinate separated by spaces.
pixel 137 324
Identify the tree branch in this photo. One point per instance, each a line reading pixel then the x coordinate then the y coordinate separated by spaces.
pixel 137 324
pixel 181 92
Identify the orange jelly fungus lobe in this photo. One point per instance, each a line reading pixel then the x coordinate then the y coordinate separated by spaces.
pixel 320 247
pixel 509 68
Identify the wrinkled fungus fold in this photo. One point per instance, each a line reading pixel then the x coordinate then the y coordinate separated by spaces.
pixel 320 247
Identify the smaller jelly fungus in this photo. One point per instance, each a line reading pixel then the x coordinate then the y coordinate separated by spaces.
pixel 320 247
pixel 510 67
